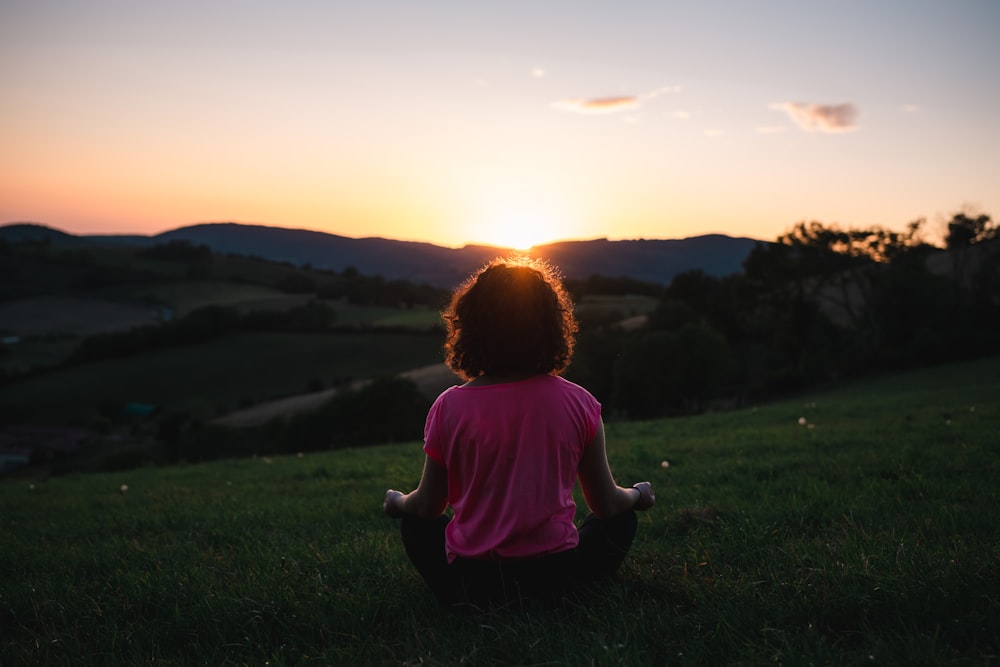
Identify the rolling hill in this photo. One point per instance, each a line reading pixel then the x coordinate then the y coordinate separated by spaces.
pixel 650 260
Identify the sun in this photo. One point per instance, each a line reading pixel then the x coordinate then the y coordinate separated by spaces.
pixel 520 228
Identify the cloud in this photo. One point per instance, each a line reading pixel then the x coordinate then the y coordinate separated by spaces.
pixel 599 104
pixel 538 73
pixel 662 90
pixel 770 129
pixel 910 108
pixel 612 104
pixel 821 117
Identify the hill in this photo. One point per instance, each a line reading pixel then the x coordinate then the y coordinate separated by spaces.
pixel 21 232
pixel 851 527
pixel 649 260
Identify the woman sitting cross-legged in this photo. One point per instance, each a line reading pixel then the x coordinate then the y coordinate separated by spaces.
pixel 505 450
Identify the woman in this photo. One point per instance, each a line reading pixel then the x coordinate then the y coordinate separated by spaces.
pixel 505 450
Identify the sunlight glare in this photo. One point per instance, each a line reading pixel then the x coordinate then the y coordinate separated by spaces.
pixel 520 229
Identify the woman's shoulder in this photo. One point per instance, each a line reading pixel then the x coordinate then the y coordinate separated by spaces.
pixel 544 383
pixel 444 395
pixel 567 385
pixel 548 388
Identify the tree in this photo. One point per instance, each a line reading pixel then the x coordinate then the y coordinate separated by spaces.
pixel 965 230
pixel 908 314
pixel 594 360
pixel 830 266
pixel 389 409
pixel 671 315
pixel 177 251
pixel 669 372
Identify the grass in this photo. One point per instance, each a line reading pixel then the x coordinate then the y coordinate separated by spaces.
pixel 184 297
pixel 36 353
pixel 856 526
pixel 417 318
pixel 50 327
pixel 626 304
pixel 239 369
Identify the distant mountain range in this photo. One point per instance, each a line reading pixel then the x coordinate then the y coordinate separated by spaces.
pixel 649 260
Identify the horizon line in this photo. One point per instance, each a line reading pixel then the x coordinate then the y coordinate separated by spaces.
pixel 467 244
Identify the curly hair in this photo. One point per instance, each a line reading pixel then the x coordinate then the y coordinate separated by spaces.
pixel 511 316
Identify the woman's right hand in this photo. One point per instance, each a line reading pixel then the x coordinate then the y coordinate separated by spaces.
pixel 390 506
pixel 646 496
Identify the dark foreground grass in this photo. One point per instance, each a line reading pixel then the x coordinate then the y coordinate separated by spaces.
pixel 867 534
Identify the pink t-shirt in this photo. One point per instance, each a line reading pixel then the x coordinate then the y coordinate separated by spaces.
pixel 511 451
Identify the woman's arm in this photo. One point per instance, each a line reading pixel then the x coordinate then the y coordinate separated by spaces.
pixel 428 500
pixel 604 496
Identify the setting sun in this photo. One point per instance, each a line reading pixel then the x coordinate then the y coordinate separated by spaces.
pixel 520 229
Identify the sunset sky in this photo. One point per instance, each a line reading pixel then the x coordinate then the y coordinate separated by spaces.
pixel 498 122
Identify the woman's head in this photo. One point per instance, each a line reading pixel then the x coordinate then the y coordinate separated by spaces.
pixel 511 316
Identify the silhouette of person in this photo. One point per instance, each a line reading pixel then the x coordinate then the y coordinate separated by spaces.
pixel 504 452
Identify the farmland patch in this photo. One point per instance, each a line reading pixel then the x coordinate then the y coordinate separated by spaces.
pixel 74 316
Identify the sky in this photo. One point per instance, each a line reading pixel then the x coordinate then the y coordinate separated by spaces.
pixel 508 123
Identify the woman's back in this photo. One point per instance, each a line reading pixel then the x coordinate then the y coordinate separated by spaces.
pixel 512 451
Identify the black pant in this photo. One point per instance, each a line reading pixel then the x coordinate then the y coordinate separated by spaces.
pixel 601 550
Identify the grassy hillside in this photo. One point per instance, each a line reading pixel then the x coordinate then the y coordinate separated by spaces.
pixel 89 328
pixel 859 526
pixel 217 376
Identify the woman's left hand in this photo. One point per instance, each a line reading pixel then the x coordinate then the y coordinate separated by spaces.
pixel 646 496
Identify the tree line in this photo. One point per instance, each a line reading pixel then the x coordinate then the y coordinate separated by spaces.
pixel 820 304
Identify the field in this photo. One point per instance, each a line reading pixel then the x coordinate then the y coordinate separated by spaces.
pixel 218 376
pixel 184 297
pixel 53 316
pixel 855 526
pixel 284 364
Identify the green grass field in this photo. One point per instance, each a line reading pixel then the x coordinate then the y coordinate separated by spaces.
pixel 417 318
pixel 626 305
pixel 219 375
pixel 186 296
pixel 37 353
pixel 50 327
pixel 856 526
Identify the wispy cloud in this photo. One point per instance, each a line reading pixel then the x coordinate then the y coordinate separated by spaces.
pixel 612 104
pixel 662 90
pixel 910 108
pixel 821 117
pixel 598 104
